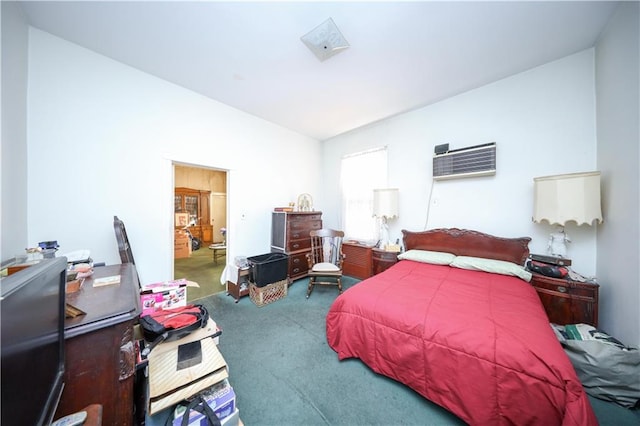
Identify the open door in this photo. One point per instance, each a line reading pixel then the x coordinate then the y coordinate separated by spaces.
pixel 219 216
pixel 200 193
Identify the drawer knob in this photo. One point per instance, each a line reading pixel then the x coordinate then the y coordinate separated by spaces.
pixel 562 289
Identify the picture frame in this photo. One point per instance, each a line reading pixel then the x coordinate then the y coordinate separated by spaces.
pixel 181 220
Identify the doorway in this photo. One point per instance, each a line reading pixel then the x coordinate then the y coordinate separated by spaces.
pixel 200 213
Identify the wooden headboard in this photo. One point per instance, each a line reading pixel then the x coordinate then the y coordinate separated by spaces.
pixel 464 242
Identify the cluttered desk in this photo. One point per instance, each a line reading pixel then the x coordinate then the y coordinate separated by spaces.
pixel 110 301
pixel 98 355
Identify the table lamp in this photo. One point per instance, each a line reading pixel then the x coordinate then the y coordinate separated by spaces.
pixel 385 206
pixel 563 198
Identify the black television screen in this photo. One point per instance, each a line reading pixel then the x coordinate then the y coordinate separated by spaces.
pixel 32 309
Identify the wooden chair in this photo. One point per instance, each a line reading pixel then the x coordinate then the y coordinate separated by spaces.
pixel 325 259
pixel 126 255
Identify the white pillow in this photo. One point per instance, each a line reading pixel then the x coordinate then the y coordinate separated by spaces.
pixel 490 265
pixel 426 256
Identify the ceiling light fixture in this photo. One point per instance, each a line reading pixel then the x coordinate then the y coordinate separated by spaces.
pixel 325 40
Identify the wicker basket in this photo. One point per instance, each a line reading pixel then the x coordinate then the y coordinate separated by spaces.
pixel 270 293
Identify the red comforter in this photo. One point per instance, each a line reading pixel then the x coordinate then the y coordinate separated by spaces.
pixel 478 344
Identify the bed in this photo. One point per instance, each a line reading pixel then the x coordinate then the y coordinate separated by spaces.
pixel 474 342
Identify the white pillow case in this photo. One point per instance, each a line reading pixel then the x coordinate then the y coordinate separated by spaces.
pixel 426 256
pixel 491 265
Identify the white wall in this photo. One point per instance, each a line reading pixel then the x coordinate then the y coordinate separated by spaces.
pixel 543 122
pixel 102 139
pixel 618 116
pixel 13 148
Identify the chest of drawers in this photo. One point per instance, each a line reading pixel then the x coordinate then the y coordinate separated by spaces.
pixel 290 235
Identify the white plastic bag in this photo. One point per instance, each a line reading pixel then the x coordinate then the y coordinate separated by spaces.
pixel 607 369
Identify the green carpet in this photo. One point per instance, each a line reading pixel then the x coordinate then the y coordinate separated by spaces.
pixel 284 372
pixel 200 268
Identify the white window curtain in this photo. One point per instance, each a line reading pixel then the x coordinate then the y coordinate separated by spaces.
pixel 360 173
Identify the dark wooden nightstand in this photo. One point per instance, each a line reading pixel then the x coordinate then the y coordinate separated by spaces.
pixel 381 259
pixel 567 301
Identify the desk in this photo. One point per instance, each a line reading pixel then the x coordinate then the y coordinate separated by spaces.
pixel 100 348
pixel 219 250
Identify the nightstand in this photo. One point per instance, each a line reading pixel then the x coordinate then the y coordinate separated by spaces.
pixel 567 301
pixel 381 259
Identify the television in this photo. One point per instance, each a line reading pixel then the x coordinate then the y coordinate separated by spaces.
pixel 32 313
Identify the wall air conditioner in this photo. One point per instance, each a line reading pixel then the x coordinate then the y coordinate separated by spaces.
pixel 479 160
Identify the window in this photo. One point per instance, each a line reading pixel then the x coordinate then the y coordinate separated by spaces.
pixel 360 173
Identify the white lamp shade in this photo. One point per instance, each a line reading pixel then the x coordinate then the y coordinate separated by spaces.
pixel 563 198
pixel 385 202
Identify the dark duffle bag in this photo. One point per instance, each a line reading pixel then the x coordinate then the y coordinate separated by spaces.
pixel 167 325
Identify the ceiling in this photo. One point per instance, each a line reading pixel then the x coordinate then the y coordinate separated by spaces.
pixel 402 55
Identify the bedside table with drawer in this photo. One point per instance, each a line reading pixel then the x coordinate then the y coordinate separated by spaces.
pixel 567 301
pixel 382 259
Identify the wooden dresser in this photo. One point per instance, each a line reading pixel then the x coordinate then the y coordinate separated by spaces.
pixel 290 235
pixel 567 301
pixel 100 347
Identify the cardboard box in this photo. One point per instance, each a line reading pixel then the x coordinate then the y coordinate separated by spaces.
pixel 181 235
pixel 182 250
pixel 220 397
pixel 232 420
pixel 184 367
pixel 181 219
pixel 164 295
pixel 182 245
